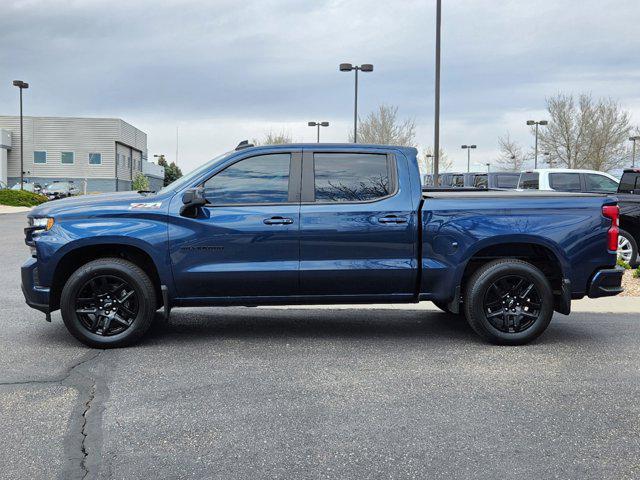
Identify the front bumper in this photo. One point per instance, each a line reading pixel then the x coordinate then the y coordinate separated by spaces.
pixel 606 283
pixel 36 296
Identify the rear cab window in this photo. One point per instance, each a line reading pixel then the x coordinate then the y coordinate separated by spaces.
pixel 565 182
pixel 630 183
pixel 352 177
pixel 481 181
pixel 529 181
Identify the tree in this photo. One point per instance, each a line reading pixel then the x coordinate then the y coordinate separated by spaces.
pixel 384 128
pixel 425 162
pixel 585 133
pixel 140 182
pixel 512 158
pixel 171 171
pixel 271 138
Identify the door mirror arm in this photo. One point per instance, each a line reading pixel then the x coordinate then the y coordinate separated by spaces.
pixel 192 200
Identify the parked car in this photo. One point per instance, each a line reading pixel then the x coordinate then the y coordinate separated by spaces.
pixel 28 186
pixel 3 186
pixel 60 189
pixel 318 223
pixel 629 198
pixel 568 180
pixel 504 180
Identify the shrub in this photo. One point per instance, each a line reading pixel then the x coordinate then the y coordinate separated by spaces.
pixel 140 182
pixel 21 198
pixel 636 274
pixel 623 264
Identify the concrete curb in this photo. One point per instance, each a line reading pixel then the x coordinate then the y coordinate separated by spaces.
pixel 8 209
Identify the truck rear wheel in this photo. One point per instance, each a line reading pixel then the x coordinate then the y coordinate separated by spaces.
pixel 108 303
pixel 508 302
pixel 628 248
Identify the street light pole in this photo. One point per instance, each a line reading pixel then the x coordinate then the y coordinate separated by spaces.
pixel 633 139
pixel 347 67
pixel 533 122
pixel 318 124
pixel 436 124
pixel 488 167
pixel 468 149
pixel 21 85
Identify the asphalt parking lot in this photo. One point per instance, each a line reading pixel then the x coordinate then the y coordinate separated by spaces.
pixel 315 393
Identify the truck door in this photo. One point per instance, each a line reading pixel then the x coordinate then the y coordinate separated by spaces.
pixel 245 243
pixel 358 230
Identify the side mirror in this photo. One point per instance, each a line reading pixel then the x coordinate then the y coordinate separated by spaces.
pixel 192 199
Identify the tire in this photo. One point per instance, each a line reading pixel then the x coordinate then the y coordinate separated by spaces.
pixel 630 255
pixel 512 318
pixel 125 313
pixel 445 308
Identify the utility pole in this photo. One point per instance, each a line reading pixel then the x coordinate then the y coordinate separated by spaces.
pixel 347 67
pixel 436 125
pixel 21 85
pixel 533 122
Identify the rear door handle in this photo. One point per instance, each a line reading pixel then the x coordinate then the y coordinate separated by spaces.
pixel 278 221
pixel 392 219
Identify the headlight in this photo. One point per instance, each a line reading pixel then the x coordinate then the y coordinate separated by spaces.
pixel 43 222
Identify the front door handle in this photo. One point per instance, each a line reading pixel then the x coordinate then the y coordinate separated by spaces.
pixel 278 221
pixel 392 219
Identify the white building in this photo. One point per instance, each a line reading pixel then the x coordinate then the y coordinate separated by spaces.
pixel 102 153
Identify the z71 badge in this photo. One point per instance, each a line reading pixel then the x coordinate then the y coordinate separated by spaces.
pixel 145 205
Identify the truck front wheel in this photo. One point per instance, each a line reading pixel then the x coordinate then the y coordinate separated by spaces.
pixel 109 302
pixel 508 302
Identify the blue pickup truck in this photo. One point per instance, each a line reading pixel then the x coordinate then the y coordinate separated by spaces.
pixel 318 224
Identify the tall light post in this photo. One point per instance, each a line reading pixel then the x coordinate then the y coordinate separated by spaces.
pixel 347 67
pixel 318 124
pixel 633 140
pixel 533 122
pixel 468 149
pixel 432 157
pixel 436 123
pixel 488 167
pixel 21 85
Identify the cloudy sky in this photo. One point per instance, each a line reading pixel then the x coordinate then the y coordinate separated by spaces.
pixel 222 71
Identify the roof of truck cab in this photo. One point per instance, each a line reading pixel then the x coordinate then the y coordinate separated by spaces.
pixel 338 146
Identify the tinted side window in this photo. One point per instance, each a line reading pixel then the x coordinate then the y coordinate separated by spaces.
pixel 261 179
pixel 351 177
pixel 457 181
pixel 565 182
pixel 506 181
pixel 600 183
pixel 629 182
pixel 480 181
pixel 529 181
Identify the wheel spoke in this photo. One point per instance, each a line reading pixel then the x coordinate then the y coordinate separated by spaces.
pixel 87 310
pixel 121 320
pixel 527 291
pixel 126 296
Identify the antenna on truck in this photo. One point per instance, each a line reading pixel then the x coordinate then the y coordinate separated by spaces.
pixel 244 144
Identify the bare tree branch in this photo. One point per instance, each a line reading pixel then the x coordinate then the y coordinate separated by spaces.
pixel 384 128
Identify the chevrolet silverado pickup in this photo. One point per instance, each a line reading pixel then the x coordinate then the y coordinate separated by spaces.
pixel 318 224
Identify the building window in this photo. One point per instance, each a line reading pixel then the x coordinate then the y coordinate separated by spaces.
pixel 95 159
pixel 67 158
pixel 39 157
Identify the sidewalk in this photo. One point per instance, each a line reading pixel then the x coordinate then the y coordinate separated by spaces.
pixel 8 209
pixel 595 305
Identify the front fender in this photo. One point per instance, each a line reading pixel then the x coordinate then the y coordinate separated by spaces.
pixel 147 234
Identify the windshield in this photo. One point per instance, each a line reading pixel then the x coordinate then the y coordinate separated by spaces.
pixel 186 179
pixel 57 186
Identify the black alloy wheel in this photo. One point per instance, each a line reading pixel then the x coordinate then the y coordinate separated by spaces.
pixel 106 305
pixel 108 302
pixel 512 304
